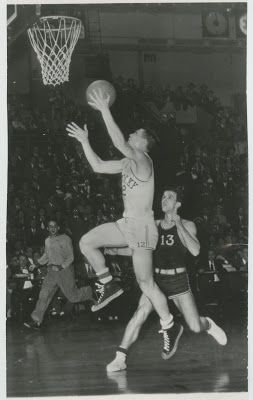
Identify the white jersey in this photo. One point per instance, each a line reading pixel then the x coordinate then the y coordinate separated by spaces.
pixel 137 194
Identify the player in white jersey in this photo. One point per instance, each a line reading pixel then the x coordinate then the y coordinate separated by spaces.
pixel 137 228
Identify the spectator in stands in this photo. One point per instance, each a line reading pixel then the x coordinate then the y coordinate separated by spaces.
pixel 33 234
pixel 31 208
pixel 14 265
pixel 219 216
pixel 242 264
pixel 29 254
pixel 51 207
pixel 42 219
pixel 24 264
pixel 239 221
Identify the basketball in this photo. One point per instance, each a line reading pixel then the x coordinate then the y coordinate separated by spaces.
pixel 105 87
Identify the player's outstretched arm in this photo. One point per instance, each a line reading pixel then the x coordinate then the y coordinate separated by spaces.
pixel 102 104
pixel 96 163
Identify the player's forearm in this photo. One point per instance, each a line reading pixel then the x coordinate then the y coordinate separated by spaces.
pixel 190 242
pixel 113 129
pixel 93 159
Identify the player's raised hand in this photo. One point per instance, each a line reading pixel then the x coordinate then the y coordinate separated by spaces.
pixel 99 102
pixel 78 133
pixel 175 217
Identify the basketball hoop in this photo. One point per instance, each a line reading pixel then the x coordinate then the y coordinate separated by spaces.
pixel 54 39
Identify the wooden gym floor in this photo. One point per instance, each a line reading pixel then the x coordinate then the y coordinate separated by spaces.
pixel 69 358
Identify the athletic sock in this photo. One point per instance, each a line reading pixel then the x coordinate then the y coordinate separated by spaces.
pixel 122 350
pixel 121 354
pixel 104 276
pixel 119 361
pixel 168 323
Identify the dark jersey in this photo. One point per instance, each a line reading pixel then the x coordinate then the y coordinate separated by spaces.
pixel 170 251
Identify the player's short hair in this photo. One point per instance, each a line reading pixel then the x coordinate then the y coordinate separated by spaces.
pixel 150 137
pixel 52 220
pixel 179 190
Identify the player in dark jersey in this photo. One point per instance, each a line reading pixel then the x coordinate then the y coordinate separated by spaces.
pixel 176 237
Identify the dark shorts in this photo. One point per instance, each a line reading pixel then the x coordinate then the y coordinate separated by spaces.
pixel 173 285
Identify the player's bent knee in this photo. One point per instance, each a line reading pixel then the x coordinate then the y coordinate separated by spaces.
pixel 85 244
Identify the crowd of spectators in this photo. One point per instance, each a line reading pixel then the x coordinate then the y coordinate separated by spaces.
pixel 52 179
pixel 228 122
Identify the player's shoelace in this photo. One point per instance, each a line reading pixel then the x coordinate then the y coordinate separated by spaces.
pixel 101 290
pixel 166 340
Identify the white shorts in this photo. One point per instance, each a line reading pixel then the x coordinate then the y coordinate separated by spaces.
pixel 139 233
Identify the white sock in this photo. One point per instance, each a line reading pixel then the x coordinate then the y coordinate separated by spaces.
pixel 168 323
pixel 120 356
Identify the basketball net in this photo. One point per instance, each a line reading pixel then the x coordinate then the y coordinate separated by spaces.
pixel 54 39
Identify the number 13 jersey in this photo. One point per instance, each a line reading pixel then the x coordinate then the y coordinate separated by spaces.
pixel 170 252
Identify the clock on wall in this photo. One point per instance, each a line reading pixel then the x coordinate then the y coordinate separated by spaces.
pixel 215 24
pixel 241 24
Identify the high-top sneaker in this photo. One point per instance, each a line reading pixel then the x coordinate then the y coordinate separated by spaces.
pixel 216 332
pixel 107 292
pixel 171 338
pixel 118 364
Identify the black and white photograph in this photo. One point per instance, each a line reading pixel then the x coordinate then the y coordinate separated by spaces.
pixel 126 228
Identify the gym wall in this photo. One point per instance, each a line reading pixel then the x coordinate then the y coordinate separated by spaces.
pixel 224 73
